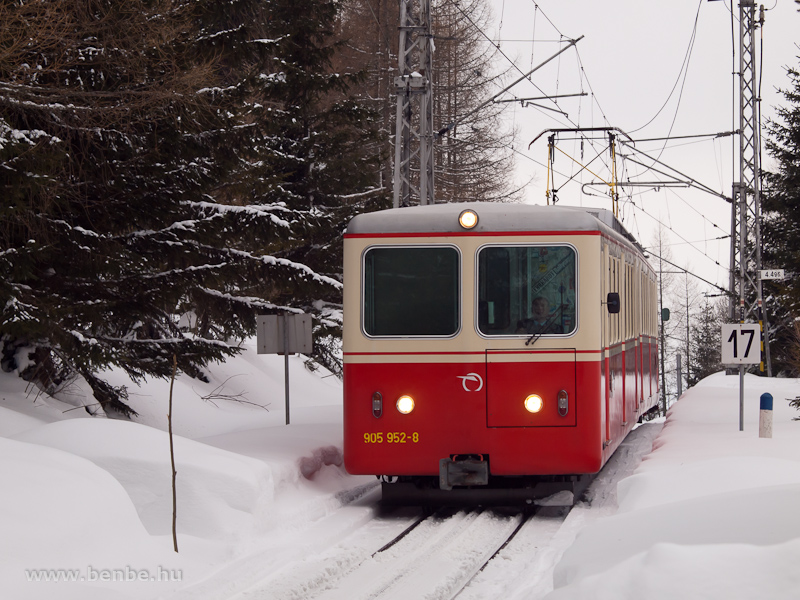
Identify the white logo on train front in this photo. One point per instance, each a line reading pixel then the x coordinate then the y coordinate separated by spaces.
pixel 472 377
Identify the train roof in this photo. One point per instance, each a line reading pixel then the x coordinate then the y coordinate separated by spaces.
pixel 492 216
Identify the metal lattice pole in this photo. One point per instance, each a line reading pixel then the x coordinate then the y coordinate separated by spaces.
pixel 746 206
pixel 413 155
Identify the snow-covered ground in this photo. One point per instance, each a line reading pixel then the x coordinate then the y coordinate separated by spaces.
pixel 87 502
pixel 712 512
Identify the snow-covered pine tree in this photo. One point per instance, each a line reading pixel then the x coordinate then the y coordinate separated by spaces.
pixel 315 133
pixel 705 341
pixel 106 92
pixel 781 226
pixel 144 219
pixel 318 140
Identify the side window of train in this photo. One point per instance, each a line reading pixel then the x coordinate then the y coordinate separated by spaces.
pixel 411 291
pixel 613 286
pixel 524 290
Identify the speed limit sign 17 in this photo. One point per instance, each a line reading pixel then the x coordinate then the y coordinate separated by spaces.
pixel 741 344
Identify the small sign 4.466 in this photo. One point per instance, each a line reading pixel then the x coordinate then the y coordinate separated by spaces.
pixel 741 344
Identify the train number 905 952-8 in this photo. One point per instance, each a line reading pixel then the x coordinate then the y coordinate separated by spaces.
pixel 391 437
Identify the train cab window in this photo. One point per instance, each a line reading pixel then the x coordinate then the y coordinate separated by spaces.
pixel 527 289
pixel 411 291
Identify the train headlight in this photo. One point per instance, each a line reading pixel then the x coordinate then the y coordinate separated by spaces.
pixel 534 403
pixel 405 404
pixel 468 219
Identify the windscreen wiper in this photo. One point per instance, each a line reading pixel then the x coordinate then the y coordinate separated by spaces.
pixel 535 336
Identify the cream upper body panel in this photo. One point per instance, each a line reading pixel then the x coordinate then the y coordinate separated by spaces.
pixel 498 225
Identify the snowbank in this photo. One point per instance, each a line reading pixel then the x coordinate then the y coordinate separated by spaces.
pixel 221 493
pixel 711 512
pixel 61 512
pixel 87 502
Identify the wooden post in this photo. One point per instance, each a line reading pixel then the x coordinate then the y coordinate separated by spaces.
pixel 172 457
pixel 286 362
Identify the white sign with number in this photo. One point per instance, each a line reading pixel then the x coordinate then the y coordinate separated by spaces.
pixel 772 274
pixel 741 344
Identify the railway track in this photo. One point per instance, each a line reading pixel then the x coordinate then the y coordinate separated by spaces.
pixel 435 560
pixel 400 556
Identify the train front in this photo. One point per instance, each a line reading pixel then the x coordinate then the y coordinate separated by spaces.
pixel 468 364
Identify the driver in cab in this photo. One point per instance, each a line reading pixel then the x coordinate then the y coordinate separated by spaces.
pixel 540 321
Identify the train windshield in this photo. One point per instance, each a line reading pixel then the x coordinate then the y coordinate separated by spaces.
pixel 411 291
pixel 526 290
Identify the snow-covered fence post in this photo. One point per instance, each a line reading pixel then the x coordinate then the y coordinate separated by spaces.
pixel 765 417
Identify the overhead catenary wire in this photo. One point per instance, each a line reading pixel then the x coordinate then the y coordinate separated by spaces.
pixel 684 70
pixel 525 41
pixel 643 161
pixel 539 8
pixel 583 75
pixel 594 101
pixel 681 76
pixel 514 65
pixel 504 55
pixel 694 182
pixel 670 228
pixel 508 87
pixel 533 34
pixel 699 214
pixel 684 270
pixel 684 137
pixel 689 181
pixel 716 239
pixel 572 43
pixel 692 245
pixel 694 142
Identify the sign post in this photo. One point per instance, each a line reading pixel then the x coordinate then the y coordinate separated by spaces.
pixel 284 334
pixel 741 345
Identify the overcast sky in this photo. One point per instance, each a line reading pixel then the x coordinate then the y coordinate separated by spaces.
pixel 632 62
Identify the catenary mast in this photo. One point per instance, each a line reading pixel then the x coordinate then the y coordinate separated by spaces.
pixel 413 156
pixel 745 262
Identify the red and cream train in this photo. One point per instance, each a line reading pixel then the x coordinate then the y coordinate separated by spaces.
pixel 452 389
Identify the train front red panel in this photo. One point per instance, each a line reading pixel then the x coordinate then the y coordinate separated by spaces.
pixel 509 383
pixel 451 418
